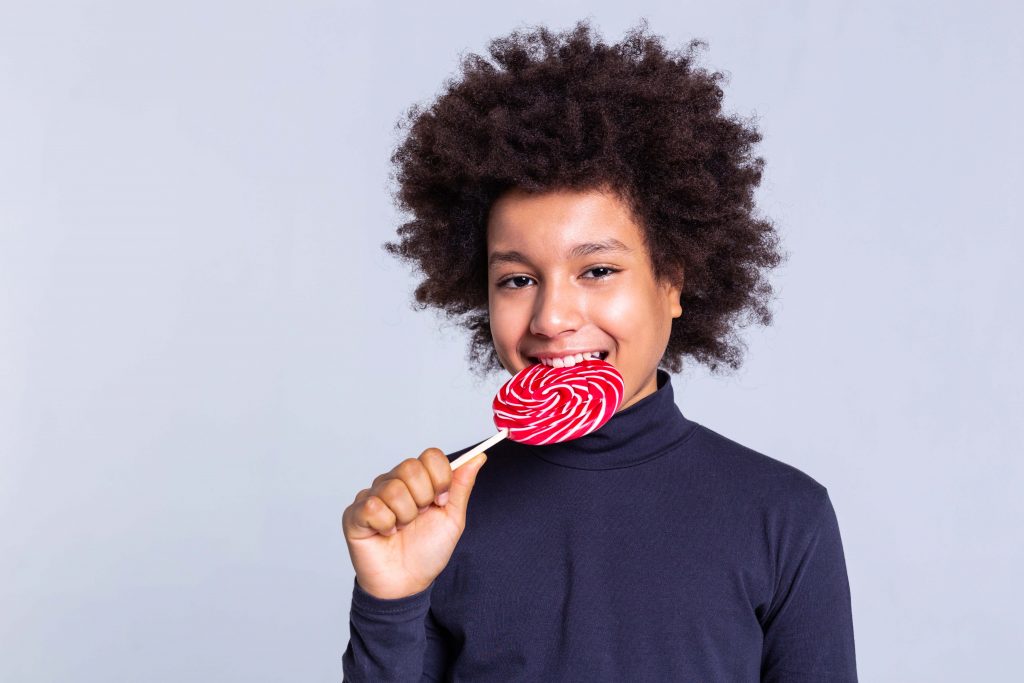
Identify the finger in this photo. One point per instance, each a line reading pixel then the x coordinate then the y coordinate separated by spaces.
pixel 396 496
pixel 372 516
pixel 440 471
pixel 362 496
pixel 417 480
pixel 463 480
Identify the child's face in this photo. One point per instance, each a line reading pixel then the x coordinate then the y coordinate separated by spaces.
pixel 544 299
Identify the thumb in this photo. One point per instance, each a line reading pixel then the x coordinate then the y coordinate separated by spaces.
pixel 462 484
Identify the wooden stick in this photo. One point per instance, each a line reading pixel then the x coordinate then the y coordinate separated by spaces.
pixel 466 457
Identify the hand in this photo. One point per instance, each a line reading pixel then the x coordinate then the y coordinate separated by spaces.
pixel 402 531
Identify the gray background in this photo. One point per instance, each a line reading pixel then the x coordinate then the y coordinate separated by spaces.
pixel 204 353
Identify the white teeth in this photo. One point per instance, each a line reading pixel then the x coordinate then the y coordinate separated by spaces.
pixel 569 361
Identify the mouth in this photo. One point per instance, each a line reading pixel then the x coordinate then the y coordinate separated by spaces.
pixel 569 360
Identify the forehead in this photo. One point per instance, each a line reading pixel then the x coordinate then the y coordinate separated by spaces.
pixel 550 224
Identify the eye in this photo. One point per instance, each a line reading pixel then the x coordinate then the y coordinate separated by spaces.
pixel 517 279
pixel 521 281
pixel 608 272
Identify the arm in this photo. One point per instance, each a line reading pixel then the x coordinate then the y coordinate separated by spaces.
pixel 401 533
pixel 808 628
pixel 439 655
pixel 393 640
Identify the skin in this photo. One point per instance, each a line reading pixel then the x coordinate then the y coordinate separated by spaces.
pixel 544 298
pixel 402 530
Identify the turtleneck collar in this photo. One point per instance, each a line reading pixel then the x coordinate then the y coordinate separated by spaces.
pixel 641 432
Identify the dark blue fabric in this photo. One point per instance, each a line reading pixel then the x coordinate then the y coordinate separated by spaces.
pixel 653 549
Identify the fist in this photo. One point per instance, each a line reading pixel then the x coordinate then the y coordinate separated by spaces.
pixel 403 529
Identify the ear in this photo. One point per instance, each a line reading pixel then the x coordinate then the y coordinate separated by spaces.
pixel 673 289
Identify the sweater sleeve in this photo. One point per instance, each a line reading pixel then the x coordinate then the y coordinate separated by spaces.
pixel 808 629
pixel 393 640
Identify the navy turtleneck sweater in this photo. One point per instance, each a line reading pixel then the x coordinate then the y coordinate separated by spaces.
pixel 653 549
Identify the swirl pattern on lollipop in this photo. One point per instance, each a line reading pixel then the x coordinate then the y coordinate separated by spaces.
pixel 543 405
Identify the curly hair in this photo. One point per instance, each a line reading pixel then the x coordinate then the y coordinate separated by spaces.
pixel 567 111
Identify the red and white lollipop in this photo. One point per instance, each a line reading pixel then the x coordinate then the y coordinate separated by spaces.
pixel 543 405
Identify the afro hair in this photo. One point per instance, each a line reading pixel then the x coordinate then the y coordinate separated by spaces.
pixel 566 111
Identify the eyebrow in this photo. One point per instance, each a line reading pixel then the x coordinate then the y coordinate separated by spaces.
pixel 579 251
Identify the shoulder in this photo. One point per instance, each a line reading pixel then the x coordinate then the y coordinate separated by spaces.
pixel 745 473
pixel 772 500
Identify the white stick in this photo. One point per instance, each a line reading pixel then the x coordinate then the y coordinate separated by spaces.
pixel 466 457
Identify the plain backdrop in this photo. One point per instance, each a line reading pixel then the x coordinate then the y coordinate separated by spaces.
pixel 205 353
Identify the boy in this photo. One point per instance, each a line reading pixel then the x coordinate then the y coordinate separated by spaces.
pixel 584 199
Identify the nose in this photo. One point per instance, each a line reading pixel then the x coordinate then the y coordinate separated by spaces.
pixel 556 310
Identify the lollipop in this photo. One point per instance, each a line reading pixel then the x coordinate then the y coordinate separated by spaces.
pixel 543 405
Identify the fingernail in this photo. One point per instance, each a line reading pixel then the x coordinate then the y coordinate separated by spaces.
pixel 442 499
pixel 393 530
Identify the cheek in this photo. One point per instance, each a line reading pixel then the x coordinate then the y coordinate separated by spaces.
pixel 506 326
pixel 623 314
pixel 635 319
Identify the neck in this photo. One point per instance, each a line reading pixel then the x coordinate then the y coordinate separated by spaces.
pixel 648 388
